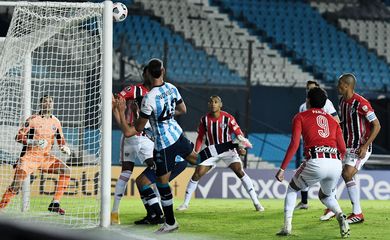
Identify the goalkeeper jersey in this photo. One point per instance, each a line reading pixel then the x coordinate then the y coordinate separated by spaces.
pixel 39 127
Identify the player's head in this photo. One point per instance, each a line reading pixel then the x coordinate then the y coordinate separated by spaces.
pixel 346 83
pixel 215 104
pixel 311 84
pixel 47 104
pixel 155 68
pixel 145 76
pixel 316 97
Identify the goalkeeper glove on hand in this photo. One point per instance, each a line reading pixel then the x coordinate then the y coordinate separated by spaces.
pixel 65 149
pixel 42 143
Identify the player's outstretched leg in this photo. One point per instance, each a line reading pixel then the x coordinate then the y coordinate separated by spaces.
pixel 13 189
pixel 7 196
pixel 247 182
pixel 193 184
pixel 191 187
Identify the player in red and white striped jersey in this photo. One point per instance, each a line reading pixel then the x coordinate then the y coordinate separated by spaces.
pixel 138 147
pixel 216 127
pixel 324 149
pixel 328 108
pixel 360 127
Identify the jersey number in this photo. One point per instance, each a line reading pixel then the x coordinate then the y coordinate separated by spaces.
pixel 168 111
pixel 322 122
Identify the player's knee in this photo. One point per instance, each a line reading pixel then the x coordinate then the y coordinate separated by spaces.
pixel 240 173
pixel 140 181
pixel 294 186
pixel 127 166
pixel 66 170
pixel 346 176
pixel 322 195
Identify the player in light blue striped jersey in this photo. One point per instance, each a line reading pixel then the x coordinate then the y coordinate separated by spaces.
pixel 160 106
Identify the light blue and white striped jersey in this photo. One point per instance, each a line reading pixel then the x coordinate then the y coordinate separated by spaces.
pixel 159 107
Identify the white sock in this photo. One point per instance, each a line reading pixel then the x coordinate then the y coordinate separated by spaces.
pixel 248 184
pixel 120 188
pixel 155 190
pixel 354 196
pixel 191 187
pixel 305 189
pixel 289 205
pixel 332 204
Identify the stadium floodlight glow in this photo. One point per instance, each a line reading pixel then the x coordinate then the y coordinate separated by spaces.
pixel 63 50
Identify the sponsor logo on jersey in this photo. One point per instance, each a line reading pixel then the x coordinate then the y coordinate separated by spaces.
pixel 326 149
pixel 365 108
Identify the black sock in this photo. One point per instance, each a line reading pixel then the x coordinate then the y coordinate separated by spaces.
pixel 154 208
pixel 304 197
pixel 167 202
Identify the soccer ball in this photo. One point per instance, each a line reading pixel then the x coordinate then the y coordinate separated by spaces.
pixel 119 11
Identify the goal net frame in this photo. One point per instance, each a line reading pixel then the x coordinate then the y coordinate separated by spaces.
pixel 105 94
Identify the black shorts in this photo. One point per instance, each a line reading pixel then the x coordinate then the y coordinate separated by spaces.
pixel 177 169
pixel 165 158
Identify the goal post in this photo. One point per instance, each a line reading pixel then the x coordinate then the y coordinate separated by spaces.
pixel 63 50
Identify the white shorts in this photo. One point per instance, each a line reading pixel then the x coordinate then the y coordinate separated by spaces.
pixel 327 171
pixel 229 157
pixel 352 159
pixel 136 148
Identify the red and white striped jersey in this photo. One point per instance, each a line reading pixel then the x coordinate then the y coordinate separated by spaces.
pixel 130 94
pixel 321 134
pixel 216 130
pixel 356 116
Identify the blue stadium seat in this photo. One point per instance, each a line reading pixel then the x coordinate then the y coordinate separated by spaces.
pixel 146 39
pixel 301 29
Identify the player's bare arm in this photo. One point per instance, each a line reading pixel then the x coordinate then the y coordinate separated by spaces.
pixel 115 110
pixel 376 127
pixel 128 131
pixel 280 175
pixel 181 108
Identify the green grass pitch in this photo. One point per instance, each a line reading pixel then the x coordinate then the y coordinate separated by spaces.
pixel 236 219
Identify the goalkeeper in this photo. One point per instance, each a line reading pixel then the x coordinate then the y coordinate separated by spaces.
pixel 37 136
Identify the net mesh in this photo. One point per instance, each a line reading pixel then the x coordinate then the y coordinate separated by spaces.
pixel 64 46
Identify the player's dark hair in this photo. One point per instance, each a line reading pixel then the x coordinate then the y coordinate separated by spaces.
pixel 44 97
pixel 145 68
pixel 317 97
pixel 155 67
pixel 312 82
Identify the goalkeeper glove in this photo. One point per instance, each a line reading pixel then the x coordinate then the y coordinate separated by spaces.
pixel 65 149
pixel 42 143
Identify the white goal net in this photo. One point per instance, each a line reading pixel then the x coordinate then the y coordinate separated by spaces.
pixel 53 49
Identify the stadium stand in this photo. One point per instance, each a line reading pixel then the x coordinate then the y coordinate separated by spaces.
pixel 374 33
pixel 212 31
pixel 147 38
pixel 316 43
pixel 368 27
